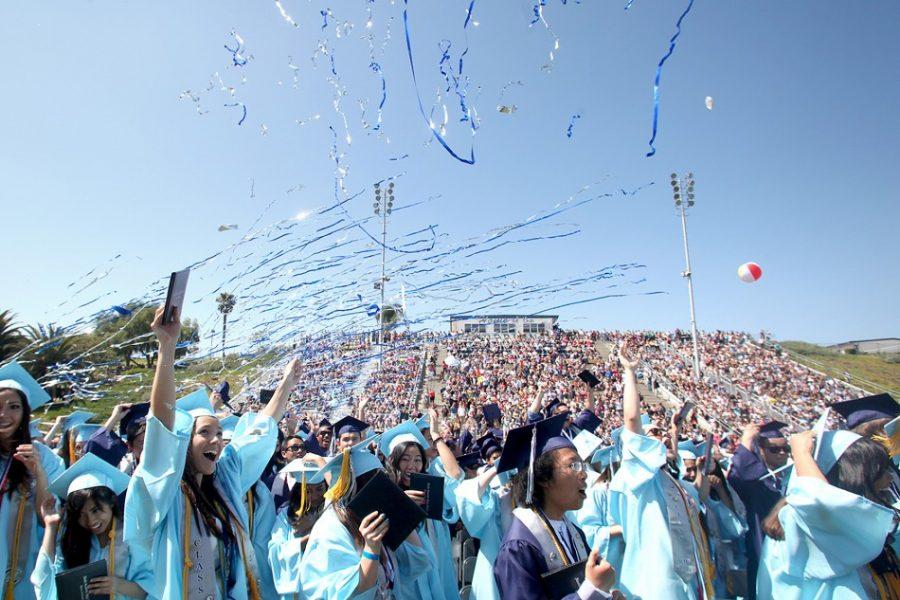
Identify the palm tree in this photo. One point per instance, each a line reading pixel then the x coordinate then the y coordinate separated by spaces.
pixel 49 345
pixel 10 337
pixel 226 304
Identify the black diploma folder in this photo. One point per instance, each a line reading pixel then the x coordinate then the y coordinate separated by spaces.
pixel 72 584
pixel 383 495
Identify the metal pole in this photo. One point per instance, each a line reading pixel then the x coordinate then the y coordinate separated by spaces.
pixel 384 214
pixel 688 275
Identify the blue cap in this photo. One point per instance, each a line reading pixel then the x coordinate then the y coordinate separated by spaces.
pixel 404 432
pixel 361 462
pixel 76 419
pixel 33 428
pixel 869 408
pixel 302 466
pixel 587 421
pixel 831 445
pixel 349 424
pixel 84 432
pixel 687 450
pixel 424 422
pixel 605 456
pixel 586 443
pixel 197 404
pixel 89 472
pixel 14 377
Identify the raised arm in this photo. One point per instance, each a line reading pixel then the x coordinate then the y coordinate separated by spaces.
pixel 162 395
pixel 802 445
pixel 631 403
pixel 538 402
pixel 118 413
pixel 448 459
pixel 275 407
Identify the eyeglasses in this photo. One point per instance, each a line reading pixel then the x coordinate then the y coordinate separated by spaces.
pixel 778 449
pixel 578 466
pixel 294 448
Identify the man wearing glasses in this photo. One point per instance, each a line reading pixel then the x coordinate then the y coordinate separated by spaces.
pixel 291 448
pixel 762 451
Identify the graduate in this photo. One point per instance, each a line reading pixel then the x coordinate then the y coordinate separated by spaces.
pixel 120 440
pixel 593 518
pixel 762 451
pixel 92 532
pixel 344 557
pixel 404 448
pixel 292 448
pixel 551 480
pixel 25 469
pixel 348 432
pixel 659 515
pixel 185 501
pixel 293 524
pixel 70 447
pixel 835 526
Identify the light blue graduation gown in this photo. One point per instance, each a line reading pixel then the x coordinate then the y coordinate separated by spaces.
pixel 263 522
pixel 638 504
pixel 329 569
pixel 439 533
pixel 482 517
pixel 53 467
pixel 285 552
pixel 131 564
pixel 154 506
pixel 594 520
pixel 829 534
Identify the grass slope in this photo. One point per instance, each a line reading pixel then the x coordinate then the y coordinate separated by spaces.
pixel 872 372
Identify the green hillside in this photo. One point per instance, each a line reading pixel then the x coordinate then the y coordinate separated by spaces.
pixel 872 372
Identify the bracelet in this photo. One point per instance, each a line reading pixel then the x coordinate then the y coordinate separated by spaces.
pixel 370 555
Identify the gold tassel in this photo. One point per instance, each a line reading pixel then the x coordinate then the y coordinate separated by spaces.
pixel 71 448
pixel 300 511
pixel 340 487
pixel 891 444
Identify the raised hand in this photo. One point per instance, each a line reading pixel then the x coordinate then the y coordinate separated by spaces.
pixel 373 529
pixel 167 334
pixel 600 573
pixel 629 362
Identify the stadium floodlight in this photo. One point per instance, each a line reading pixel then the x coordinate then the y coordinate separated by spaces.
pixel 687 183
pixel 387 202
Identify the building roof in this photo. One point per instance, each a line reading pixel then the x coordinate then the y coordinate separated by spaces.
pixel 471 317
pixel 887 339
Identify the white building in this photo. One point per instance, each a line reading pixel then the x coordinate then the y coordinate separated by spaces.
pixel 876 346
pixel 502 324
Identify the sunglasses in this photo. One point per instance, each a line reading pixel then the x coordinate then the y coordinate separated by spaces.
pixel 293 448
pixel 777 449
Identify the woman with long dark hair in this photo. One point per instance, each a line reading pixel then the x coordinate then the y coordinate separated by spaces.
pixel 345 557
pixel 92 531
pixel 185 501
pixel 293 525
pixel 835 527
pixel 25 468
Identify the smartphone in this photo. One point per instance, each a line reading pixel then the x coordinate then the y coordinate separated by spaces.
pixel 686 408
pixel 175 296
pixel 589 378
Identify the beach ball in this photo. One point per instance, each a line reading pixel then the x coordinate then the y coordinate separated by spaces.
pixel 749 272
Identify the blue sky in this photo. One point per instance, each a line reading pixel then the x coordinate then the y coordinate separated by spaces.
pixel 796 165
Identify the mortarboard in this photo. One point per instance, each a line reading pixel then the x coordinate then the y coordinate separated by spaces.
pixel 33 428
pixel 488 444
pixel 869 408
pixel 352 462
pixel 423 422
pixel 77 418
pixel 893 435
pixel 687 450
pixel 13 376
pixel 325 422
pixel 304 467
pixel 228 424
pixel 516 451
pixel 772 430
pixel 586 443
pixel 469 461
pixel 349 424
pixel 831 445
pixel 404 432
pixel 587 421
pixel 224 391
pixel 551 406
pixel 84 432
pixel 89 472
pixel 136 415
pixel 491 412
pixel 196 404
pixel 605 456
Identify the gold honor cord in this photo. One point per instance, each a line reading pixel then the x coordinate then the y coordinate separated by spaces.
pixel 10 589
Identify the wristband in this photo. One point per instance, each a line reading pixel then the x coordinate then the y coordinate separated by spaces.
pixel 370 555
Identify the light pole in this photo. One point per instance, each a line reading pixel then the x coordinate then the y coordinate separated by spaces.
pixel 383 209
pixel 683 202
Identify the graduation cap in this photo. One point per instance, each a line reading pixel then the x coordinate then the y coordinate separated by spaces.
pixel 13 376
pixel 84 432
pixel 76 419
pixel 548 410
pixel 892 429
pixel 136 415
pixel 349 424
pixel 423 422
pixel 772 430
pixel 88 472
pixel 586 443
pixel 228 424
pixel 869 408
pixel 687 450
pixel 224 391
pixel 831 445
pixel 344 468
pixel 325 422
pixel 196 404
pixel 525 444
pixel 469 461
pixel 488 444
pixel 587 421
pixel 304 471
pixel 404 432
pixel 491 412
pixel 605 456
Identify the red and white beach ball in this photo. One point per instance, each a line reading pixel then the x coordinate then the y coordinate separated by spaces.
pixel 749 272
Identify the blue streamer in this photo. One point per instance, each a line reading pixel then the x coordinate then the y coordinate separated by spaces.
pixel 659 74
pixel 325 13
pixel 243 107
pixel 236 57
pixel 412 67
pixel 570 129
